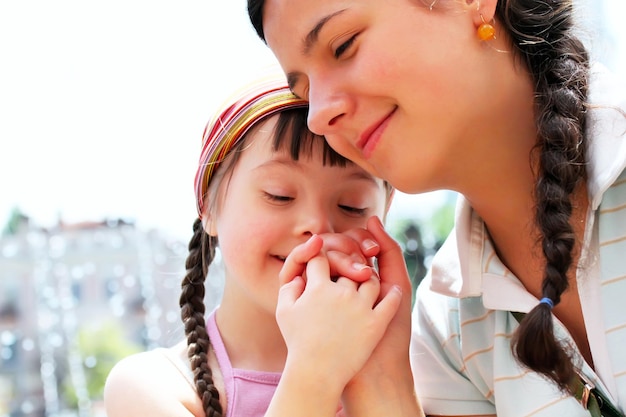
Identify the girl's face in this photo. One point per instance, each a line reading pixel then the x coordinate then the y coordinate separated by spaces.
pixel 404 91
pixel 271 203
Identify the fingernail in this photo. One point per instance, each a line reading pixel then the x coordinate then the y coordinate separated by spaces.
pixel 359 266
pixel 369 244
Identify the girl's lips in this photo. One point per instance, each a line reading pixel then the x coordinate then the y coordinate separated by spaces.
pixel 371 136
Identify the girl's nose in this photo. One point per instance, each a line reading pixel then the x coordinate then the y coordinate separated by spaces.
pixel 315 220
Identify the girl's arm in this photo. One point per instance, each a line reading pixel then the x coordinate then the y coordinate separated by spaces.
pixel 147 384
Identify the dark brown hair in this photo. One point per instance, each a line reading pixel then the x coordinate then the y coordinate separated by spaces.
pixel 543 38
pixel 543 35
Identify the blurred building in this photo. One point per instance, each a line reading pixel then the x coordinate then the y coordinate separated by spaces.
pixel 57 283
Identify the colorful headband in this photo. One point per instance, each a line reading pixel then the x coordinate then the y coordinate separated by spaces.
pixel 230 126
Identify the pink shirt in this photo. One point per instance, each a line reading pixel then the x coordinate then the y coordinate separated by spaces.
pixel 248 392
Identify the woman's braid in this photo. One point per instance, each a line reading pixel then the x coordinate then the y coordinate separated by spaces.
pixel 542 34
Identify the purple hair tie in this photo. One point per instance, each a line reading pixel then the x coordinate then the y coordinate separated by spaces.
pixel 548 301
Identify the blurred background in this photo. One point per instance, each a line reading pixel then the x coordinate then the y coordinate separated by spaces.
pixel 102 107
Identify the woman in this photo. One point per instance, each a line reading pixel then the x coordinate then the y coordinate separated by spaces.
pixel 497 100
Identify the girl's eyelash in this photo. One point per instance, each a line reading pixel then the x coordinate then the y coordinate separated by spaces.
pixel 286 199
pixel 355 210
pixel 344 47
pixel 279 198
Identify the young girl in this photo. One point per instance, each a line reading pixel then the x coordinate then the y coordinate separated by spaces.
pixel 264 185
pixel 523 312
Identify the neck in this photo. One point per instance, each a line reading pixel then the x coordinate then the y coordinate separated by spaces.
pixel 251 335
pixel 498 178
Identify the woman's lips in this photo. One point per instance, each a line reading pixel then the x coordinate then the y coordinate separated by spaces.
pixel 370 137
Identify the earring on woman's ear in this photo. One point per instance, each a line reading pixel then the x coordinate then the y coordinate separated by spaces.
pixel 486 31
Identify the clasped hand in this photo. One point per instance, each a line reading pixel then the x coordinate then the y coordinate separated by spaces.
pixel 342 320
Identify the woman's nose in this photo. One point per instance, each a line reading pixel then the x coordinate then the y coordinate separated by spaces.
pixel 327 107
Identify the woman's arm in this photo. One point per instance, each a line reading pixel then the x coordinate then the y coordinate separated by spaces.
pixel 385 384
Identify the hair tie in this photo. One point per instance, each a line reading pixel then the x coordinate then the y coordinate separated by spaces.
pixel 548 301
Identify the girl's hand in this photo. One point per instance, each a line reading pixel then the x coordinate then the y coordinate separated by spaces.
pixel 331 328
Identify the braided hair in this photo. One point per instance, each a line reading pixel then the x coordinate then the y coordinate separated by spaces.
pixel 201 254
pixel 542 34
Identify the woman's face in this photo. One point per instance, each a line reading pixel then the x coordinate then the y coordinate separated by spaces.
pixel 402 90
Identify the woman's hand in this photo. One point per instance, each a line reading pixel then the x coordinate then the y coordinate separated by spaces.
pixel 385 384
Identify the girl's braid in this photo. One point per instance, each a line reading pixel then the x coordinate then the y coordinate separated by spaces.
pixel 192 314
pixel 542 34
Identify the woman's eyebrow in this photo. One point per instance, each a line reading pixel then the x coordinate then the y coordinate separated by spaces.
pixel 311 38
pixel 307 44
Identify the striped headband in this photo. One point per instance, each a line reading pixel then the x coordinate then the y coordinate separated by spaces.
pixel 223 132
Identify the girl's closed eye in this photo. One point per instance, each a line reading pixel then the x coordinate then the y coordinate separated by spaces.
pixel 277 198
pixel 353 210
pixel 344 46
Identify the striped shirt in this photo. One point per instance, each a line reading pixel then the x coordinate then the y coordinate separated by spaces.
pixel 462 325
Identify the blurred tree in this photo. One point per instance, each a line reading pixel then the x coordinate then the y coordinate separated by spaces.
pixel 420 239
pixel 414 254
pixel 100 349
pixel 15 221
pixel 441 223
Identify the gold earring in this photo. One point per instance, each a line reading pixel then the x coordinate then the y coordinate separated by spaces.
pixel 486 31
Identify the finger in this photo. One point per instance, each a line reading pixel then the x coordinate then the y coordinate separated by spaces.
pixel 317 271
pixel 367 242
pixel 295 263
pixel 391 265
pixel 289 293
pixel 370 289
pixel 350 266
pixel 347 282
pixel 348 242
pixel 387 307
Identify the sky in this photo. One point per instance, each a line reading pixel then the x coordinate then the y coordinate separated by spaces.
pixel 103 103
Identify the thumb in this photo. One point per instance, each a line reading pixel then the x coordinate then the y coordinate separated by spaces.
pixel 388 306
pixel 391 264
pixel 296 261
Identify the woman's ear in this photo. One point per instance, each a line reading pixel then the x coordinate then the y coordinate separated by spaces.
pixel 482 10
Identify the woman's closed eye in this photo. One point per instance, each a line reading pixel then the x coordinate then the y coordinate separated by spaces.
pixel 344 47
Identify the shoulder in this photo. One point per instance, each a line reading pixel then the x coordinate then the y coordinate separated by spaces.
pixel 434 311
pixel 453 325
pixel 149 383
